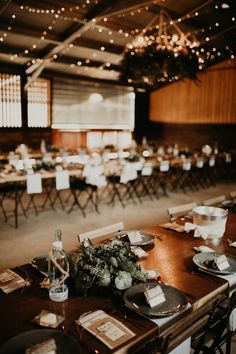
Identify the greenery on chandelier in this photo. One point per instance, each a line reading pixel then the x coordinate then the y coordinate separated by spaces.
pixel 152 67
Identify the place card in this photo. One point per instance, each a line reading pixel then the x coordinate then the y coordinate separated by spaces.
pixel 62 180
pixel 106 328
pixel 139 252
pixel 154 296
pixel 134 236
pixel 34 183
pixel 222 262
pixel 10 281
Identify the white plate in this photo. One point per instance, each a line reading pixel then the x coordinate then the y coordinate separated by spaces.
pixel 200 260
pixel 18 344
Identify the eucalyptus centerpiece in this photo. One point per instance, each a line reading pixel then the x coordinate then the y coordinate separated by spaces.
pixel 105 265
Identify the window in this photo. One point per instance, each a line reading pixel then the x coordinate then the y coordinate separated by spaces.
pixel 39 100
pixel 10 101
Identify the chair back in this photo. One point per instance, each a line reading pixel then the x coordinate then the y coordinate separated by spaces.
pixel 102 233
pixel 214 200
pixel 180 210
pixel 216 331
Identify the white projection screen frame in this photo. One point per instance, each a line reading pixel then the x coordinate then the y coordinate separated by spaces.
pixel 79 105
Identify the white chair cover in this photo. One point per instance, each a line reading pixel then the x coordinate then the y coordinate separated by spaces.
pixel 212 161
pixel 129 173
pixel 164 166
pixel 187 165
pixel 147 169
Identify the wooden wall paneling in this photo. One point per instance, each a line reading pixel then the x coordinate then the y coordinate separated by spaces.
pixel 211 101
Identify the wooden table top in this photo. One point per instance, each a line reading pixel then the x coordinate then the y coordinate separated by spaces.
pixel 172 256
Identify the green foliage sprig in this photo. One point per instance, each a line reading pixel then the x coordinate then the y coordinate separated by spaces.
pixel 112 264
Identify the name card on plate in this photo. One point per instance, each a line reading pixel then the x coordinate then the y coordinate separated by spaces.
pixel 62 180
pixel 134 236
pixel 222 262
pixel 34 183
pixel 154 296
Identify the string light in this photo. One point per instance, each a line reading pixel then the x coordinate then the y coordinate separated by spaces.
pixel 73 14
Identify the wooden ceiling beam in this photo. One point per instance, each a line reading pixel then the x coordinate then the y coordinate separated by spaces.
pixel 4 4
pixel 65 59
pixel 58 49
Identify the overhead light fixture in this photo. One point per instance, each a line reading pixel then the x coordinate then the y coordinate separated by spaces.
pixel 225 5
pixel 95 98
pixel 164 54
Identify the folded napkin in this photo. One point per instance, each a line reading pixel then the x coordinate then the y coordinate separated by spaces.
pixel 164 322
pixel 205 230
pixel 203 249
pixel 173 226
pixel 233 244
pixel 139 252
pixel 184 347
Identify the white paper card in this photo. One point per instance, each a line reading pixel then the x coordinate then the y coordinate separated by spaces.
pixel 111 331
pixel 34 183
pixel 62 180
pixel 222 262
pixel 203 249
pixel 106 328
pixel 134 236
pixel 154 296
pixel 139 252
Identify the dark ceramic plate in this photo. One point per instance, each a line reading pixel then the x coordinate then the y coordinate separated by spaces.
pixel 201 260
pixel 18 344
pixel 135 299
pixel 147 239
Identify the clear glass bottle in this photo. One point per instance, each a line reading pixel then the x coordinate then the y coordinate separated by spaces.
pixel 58 270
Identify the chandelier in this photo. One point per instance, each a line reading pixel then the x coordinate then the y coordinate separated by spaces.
pixel 161 55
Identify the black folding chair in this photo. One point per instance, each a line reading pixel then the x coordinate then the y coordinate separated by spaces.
pixel 216 332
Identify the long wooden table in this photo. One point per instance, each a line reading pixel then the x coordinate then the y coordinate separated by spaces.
pixel 172 256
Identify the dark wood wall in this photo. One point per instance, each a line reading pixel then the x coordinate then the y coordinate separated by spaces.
pixel 192 135
pixel 192 115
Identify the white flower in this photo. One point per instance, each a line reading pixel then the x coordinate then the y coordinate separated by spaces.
pixel 123 280
pixel 105 278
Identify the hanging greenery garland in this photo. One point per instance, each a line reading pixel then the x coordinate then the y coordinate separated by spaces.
pixel 152 67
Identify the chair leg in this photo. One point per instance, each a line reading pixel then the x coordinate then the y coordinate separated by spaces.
pixel 58 196
pixel 76 202
pixel 2 207
pixel 31 201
